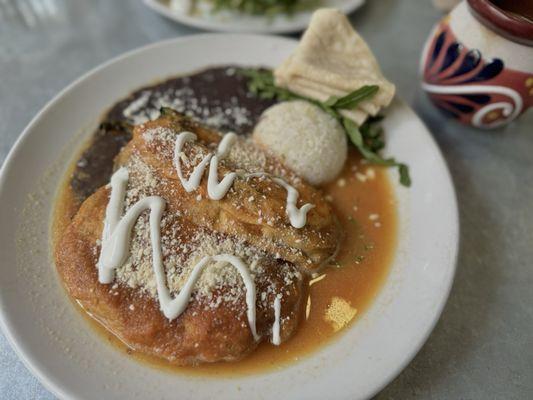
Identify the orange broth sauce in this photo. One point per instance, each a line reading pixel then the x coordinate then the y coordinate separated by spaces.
pixel 363 200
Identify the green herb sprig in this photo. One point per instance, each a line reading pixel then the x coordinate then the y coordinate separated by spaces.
pixel 367 138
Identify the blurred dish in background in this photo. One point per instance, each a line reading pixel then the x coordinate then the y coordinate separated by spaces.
pixel 269 8
pixel 248 15
pixel 477 64
pixel 30 14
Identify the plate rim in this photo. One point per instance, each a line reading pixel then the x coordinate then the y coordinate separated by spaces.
pixel 33 365
pixel 205 24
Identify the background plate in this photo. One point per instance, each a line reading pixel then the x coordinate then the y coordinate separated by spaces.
pixel 55 342
pixel 237 22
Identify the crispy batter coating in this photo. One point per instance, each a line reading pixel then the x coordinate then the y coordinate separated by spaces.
pixel 202 333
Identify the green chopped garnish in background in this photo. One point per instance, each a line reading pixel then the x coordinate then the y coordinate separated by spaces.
pixel 367 138
pixel 268 8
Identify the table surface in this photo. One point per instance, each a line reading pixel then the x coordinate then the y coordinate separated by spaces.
pixel 482 347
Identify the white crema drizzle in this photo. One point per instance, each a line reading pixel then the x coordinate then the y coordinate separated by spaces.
pixel 116 248
pixel 276 326
pixel 117 231
pixel 217 190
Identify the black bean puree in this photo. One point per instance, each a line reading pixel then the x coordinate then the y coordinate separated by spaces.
pixel 216 96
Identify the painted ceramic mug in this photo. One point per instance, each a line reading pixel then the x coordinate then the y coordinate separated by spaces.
pixel 477 65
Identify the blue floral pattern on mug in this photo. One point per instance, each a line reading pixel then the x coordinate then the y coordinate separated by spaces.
pixel 466 86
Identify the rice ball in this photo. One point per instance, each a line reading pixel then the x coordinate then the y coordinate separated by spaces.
pixel 307 139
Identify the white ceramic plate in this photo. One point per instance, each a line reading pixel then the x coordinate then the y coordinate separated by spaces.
pixel 241 23
pixel 56 343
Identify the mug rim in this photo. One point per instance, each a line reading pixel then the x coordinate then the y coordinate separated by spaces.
pixel 509 25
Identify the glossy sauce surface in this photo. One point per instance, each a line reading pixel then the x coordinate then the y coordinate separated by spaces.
pixel 336 297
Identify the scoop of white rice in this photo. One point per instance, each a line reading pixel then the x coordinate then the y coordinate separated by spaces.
pixel 308 140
